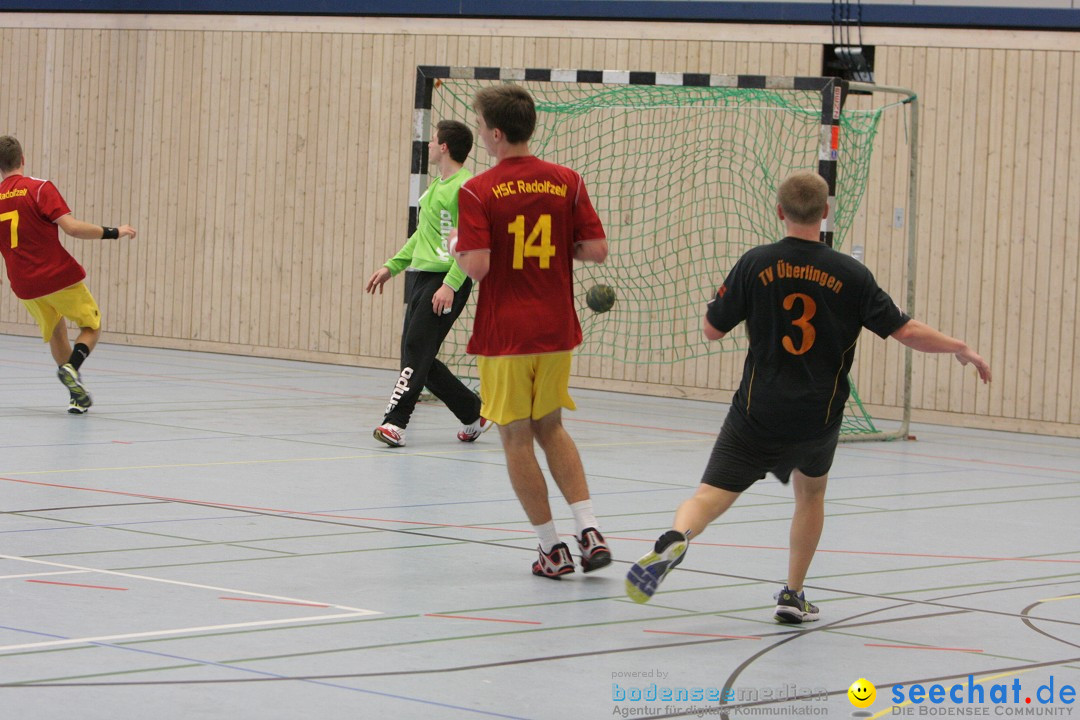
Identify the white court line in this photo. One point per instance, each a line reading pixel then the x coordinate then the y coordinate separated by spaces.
pixel 43 574
pixel 179 631
pixel 352 610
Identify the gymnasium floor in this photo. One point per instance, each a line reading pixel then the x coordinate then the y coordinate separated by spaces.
pixel 222 538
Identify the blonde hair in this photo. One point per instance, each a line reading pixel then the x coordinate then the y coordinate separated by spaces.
pixel 803 197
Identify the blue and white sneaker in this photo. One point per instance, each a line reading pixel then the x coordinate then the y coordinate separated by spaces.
pixel 648 572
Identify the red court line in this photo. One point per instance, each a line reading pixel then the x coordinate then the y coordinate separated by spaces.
pixel 301 513
pixel 729 637
pixel 121 442
pixel 466 617
pixel 922 647
pixel 274 602
pixel 92 587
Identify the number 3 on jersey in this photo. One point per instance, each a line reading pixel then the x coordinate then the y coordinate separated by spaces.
pixel 13 217
pixel 527 246
pixel 809 334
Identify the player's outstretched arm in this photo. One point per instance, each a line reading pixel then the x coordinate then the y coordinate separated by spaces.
pixel 920 336
pixel 88 231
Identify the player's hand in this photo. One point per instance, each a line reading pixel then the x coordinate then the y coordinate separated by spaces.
pixel 126 231
pixel 377 279
pixel 967 355
pixel 443 300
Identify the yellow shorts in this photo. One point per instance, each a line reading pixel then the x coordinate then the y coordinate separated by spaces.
pixel 515 387
pixel 74 303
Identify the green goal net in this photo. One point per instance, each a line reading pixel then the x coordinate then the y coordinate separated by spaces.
pixel 684 178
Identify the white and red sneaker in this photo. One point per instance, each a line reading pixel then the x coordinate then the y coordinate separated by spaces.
pixel 469 433
pixel 594 551
pixel 390 434
pixel 555 563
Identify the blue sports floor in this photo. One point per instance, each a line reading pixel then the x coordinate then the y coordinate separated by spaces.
pixel 221 537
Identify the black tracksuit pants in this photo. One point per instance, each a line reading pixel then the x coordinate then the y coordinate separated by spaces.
pixel 421 338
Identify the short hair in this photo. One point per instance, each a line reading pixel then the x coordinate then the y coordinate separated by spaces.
pixel 803 197
pixel 457 136
pixel 509 108
pixel 11 154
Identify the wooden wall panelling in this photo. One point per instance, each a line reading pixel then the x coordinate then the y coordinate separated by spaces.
pixel 980 303
pixel 1068 382
pixel 1040 210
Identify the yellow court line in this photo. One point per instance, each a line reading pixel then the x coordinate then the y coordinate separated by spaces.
pixel 980 681
pixel 1063 597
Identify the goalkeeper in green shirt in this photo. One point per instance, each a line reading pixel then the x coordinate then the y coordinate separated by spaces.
pixel 439 292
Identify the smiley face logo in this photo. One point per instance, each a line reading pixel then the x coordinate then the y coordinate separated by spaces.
pixel 862 693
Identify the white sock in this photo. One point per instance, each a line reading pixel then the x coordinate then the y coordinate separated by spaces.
pixel 583 516
pixel 549 538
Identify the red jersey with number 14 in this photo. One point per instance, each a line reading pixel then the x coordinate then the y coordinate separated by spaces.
pixel 37 264
pixel 529 213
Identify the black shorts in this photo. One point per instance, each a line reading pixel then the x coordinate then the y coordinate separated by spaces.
pixel 740 458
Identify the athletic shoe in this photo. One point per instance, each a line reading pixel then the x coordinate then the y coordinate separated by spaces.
pixel 76 409
pixel 793 609
pixel 469 433
pixel 390 434
pixel 594 551
pixel 555 563
pixel 70 377
pixel 648 572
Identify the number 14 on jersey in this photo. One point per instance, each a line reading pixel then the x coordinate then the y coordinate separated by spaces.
pixel 528 246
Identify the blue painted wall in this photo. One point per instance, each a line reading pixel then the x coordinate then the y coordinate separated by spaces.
pixel 1047 15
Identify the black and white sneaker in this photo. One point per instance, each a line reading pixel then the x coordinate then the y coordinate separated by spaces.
pixel 793 608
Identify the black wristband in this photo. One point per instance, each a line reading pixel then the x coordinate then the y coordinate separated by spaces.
pixel 108 233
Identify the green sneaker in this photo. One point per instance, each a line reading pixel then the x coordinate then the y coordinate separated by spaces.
pixel 80 398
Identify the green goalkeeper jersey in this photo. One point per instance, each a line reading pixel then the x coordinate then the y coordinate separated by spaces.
pixel 426 248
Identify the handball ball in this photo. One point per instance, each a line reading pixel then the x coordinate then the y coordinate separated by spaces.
pixel 600 298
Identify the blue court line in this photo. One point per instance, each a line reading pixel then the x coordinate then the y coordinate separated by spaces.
pixel 263 673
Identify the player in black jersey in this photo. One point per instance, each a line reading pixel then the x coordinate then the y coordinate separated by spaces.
pixel 804 305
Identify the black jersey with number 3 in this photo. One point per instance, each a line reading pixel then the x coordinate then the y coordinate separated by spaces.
pixel 804 305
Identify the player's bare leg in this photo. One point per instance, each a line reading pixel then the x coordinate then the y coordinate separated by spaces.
pixel 564 462
pixel 806 525
pixel 563 457
pixel 526 477
pixel 707 504
pixel 59 345
pixel 88 337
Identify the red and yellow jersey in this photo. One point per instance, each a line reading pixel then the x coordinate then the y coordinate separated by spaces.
pixel 37 264
pixel 529 213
